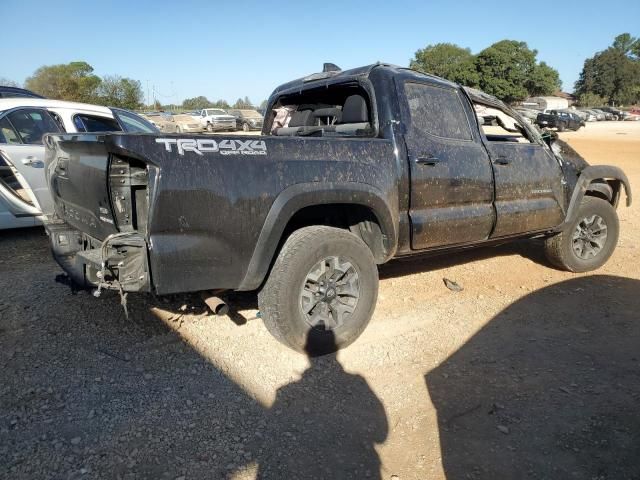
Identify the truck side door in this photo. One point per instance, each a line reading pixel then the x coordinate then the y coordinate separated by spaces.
pixel 528 177
pixel 451 200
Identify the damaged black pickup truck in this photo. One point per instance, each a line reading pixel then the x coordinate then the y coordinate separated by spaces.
pixel 353 168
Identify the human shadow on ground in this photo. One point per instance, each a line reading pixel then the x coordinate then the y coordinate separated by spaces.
pixel 548 389
pixel 88 393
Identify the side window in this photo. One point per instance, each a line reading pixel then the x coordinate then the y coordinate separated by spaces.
pixel 8 134
pixel 58 120
pixel 437 111
pixel 90 123
pixel 132 123
pixel 499 126
pixel 32 124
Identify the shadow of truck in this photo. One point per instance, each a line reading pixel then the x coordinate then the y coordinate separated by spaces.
pixel 550 388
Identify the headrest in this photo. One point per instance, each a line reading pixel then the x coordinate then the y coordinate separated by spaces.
pixel 301 118
pixel 355 110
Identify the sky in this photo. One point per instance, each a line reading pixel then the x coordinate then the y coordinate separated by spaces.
pixel 231 49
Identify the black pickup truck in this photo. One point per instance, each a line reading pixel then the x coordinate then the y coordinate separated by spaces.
pixel 353 168
pixel 560 120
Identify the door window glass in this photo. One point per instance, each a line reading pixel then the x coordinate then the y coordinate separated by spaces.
pixel 132 123
pixel 498 126
pixel 7 132
pixel 437 111
pixel 32 124
pixel 90 123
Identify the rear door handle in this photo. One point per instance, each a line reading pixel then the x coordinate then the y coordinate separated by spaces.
pixel 502 161
pixel 428 160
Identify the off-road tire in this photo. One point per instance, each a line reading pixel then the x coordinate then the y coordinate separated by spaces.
pixel 209 127
pixel 559 248
pixel 245 127
pixel 280 297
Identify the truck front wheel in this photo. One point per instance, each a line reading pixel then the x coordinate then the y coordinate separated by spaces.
pixel 587 242
pixel 321 291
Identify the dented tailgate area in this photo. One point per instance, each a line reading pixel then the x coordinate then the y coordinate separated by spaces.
pixel 101 205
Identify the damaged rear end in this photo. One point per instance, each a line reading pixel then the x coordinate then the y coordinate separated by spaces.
pixel 98 232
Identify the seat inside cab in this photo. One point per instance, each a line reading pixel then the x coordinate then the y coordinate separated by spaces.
pixel 339 110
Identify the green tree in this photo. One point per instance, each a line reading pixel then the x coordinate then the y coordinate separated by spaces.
pixel 196 103
pixel 543 80
pixel 591 100
pixel 5 82
pixel 627 44
pixel 614 73
pixel 449 61
pixel 505 69
pixel 221 104
pixel 116 91
pixel 74 81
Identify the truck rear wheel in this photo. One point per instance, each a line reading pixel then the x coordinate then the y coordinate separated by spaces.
pixel 321 291
pixel 588 242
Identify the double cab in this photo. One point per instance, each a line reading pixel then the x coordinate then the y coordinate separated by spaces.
pixel 352 169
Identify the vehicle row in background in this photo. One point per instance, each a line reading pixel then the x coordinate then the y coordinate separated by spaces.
pixel 207 119
pixel 23 122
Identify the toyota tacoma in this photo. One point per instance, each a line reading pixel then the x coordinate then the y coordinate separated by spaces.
pixel 353 168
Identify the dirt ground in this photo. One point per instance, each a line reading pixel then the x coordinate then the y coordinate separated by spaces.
pixel 529 372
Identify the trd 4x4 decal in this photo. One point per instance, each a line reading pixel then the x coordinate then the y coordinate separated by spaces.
pixel 224 147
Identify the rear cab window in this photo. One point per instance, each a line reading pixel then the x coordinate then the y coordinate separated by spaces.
pixel 337 110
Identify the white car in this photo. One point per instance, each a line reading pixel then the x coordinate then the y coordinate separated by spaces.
pixel 24 195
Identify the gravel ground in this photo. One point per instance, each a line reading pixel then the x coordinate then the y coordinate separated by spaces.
pixel 528 372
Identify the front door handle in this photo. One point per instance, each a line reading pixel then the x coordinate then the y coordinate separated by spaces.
pixel 502 161
pixel 31 161
pixel 428 160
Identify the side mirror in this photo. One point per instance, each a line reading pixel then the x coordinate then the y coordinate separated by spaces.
pixel 549 137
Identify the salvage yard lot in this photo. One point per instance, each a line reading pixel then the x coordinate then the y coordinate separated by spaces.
pixel 529 372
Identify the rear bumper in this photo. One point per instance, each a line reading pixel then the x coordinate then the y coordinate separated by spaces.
pixel 126 259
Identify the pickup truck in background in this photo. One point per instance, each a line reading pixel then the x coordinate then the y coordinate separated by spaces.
pixel 353 168
pixel 559 120
pixel 216 120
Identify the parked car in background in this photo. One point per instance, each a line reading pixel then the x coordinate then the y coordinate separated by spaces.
pixel 607 115
pixel 216 119
pixel 23 121
pixel 616 112
pixel 162 121
pixel 589 116
pixel 247 120
pixel 15 92
pixel 187 124
pixel 561 120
